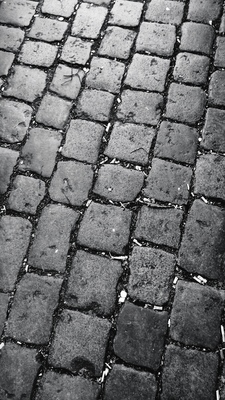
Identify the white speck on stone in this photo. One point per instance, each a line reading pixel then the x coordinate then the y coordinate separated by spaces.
pixel 123 295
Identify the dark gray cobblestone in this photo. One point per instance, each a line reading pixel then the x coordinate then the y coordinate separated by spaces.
pixel 18 13
pixel 213 135
pixel 8 159
pixel 156 38
pixel 14 120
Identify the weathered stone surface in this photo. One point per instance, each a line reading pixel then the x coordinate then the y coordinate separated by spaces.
pixel 105 74
pixel 16 12
pixel 14 120
pixel 6 60
pixel 220 52
pixel 10 38
pixel 156 38
pixel 47 29
pixel 213 135
pixel 88 21
pixel 217 88
pixel 191 68
pixel 4 299
pixel 8 160
pixel 197 38
pixel 165 11
pixel 67 81
pixel 38 53
pixel 113 36
pixel 46 113
pixel 126 13
pixel 76 50
pixel 206 11
pixel 95 104
pixel 63 7
pixel 209 176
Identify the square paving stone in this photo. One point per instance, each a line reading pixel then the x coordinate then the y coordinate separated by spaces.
pixel 16 12
pixel 156 38
pixel 126 13
pixel 220 52
pixel 140 107
pixel 185 103
pixel 191 68
pixel 67 81
pixel 47 111
pixel 118 183
pixel 177 142
pixel 206 11
pixel 51 240
pixel 83 140
pixel 4 299
pixel 140 336
pixel 189 374
pixel 30 318
pixel 95 104
pixel 213 134
pixel 65 8
pixel 10 38
pixel 61 387
pixel 8 159
pixel 26 83
pixel 14 120
pixel 47 29
pixel 168 182
pixel 6 60
pixel 88 21
pixel 71 183
pixel 92 283
pixel 217 88
pixel 26 194
pixel 151 275
pixel 130 142
pixel 105 74
pixel 130 384
pixel 14 240
pixel 203 244
pixel 113 36
pixel 76 51
pixel 80 342
pixel 159 225
pixel 197 38
pixel 39 152
pixel 105 228
pixel 147 73
pixel 209 176
pixel 165 11
pixel 38 53
pixel 19 367
pixel 196 315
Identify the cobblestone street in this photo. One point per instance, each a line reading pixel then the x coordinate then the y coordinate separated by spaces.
pixel 112 200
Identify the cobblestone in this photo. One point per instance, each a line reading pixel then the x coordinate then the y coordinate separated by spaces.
pixel 4 299
pixel 65 8
pixel 213 135
pixel 220 52
pixel 197 38
pixel 76 51
pixel 38 53
pixel 80 342
pixel 8 159
pixel 113 36
pixel 191 68
pixel 88 21
pixel 126 13
pixel 156 38
pixel 202 247
pixel 151 275
pixel 140 336
pixel 105 228
pixel 67 81
pixel 222 24
pixel 6 60
pixel 165 11
pixel 99 2
pixel 51 240
pixel 95 104
pixel 10 38
pixel 92 283
pixel 204 12
pixel 217 89
pixel 105 74
pixel 47 29
pixel 14 120
pixel 18 13
pixel 46 113
pixel 209 176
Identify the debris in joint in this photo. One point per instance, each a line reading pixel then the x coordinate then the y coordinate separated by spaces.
pixel 136 242
pixel 159 308
pixel 88 203
pixel 123 295
pixel 217 395
pixel 222 333
pixel 2 345
pixel 200 279
pixel 204 199
pixel 123 258
pixel 175 281
pixel 104 375
pixel 168 323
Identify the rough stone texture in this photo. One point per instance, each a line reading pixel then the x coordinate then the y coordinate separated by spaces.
pixel 209 176
pixel 26 83
pixel 197 38
pixel 80 342
pixel 65 8
pixel 51 240
pixel 168 182
pixel 203 244
pixel 105 74
pixel 126 13
pixel 165 11
pixel 118 183
pixel 220 52
pixel 113 36
pixel 61 387
pixel 156 38
pixel 71 183
pixel 217 88
pixel 151 275
pixel 189 374
pixel 67 81
pixel 4 299
pixel 191 68
pixel 19 367
pixel 30 318
pixel 14 120
pixel 76 51
pixel 16 12
pixel 92 283
pixel 26 194
pixel 39 152
pixel 130 142
pixel 222 24
pixel 38 53
pixel 95 104
pixel 83 140
pixel 129 383
pixel 222 384
pixel 176 142
pixel 213 134
pixel 196 315
pixel 105 228
pixel 159 225
pixel 88 21
pixel 147 73
pixel 46 113
pixel 99 2
pixel 185 103
pixel 140 107
pixel 14 239
pixel 8 160
pixel 140 336
pixel 206 11
pixel 47 29
pixel 10 38
pixel 6 60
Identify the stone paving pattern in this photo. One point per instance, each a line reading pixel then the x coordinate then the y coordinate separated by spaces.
pixel 112 199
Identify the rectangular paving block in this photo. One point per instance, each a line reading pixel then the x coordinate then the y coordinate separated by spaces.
pixel 204 12
pixel 126 13
pixel 8 159
pixel 67 81
pixel 88 21
pixel 156 38
pixel 105 74
pixel 220 52
pixel 165 11
pixel 14 120
pixel 6 60
pixel 213 134
pixel 197 38
pixel 209 176
pixel 47 29
pixel 4 299
pixel 38 53
pixel 16 12
pixel 217 88
pixel 76 50
pixel 10 38
pixel 113 36
pixel 95 104
pixel 46 113
pixel 191 68
pixel 64 8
